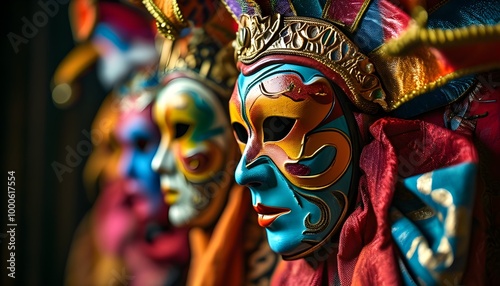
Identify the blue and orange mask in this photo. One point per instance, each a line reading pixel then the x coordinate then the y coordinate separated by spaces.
pixel 297 154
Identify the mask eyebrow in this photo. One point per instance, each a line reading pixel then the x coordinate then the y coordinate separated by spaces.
pixel 293 86
pixel 289 86
pixel 263 90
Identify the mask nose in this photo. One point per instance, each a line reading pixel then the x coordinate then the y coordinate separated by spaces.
pixel 126 167
pixel 261 174
pixel 163 161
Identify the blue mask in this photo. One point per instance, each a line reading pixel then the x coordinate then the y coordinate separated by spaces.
pixel 297 155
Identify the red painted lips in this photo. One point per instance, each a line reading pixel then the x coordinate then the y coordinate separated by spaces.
pixel 267 215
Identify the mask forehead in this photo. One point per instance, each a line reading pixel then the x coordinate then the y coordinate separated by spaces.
pixel 136 124
pixel 188 100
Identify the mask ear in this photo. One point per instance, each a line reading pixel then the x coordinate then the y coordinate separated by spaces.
pixel 83 17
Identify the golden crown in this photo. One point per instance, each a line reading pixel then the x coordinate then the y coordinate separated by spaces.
pixel 168 25
pixel 201 57
pixel 315 39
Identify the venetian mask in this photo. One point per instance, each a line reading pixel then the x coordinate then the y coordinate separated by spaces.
pixel 132 217
pixel 196 155
pixel 138 139
pixel 297 154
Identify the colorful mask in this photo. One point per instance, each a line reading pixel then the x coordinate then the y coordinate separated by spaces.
pixel 195 154
pixel 127 231
pixel 296 159
pixel 139 137
pixel 132 219
pixel 198 153
pixel 299 152
pixel 136 139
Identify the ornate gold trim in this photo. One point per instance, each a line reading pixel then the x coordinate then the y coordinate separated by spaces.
pixel 164 25
pixel 417 34
pixel 354 26
pixel 292 7
pixel 317 40
pixel 325 215
pixel 178 13
pixel 439 83
pixel 361 12
pixel 226 6
pixel 421 214
pixel 200 57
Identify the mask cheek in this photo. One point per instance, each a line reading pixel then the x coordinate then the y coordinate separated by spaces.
pixel 283 159
pixel 112 167
pixel 147 176
pixel 199 164
pixel 314 166
pixel 324 160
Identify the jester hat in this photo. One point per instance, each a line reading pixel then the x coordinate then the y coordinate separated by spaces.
pixel 116 37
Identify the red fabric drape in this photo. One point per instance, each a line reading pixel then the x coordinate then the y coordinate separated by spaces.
pixel 366 253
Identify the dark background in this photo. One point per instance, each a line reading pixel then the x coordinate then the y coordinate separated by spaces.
pixel 35 133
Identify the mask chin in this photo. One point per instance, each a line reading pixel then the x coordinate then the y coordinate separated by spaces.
pixel 182 214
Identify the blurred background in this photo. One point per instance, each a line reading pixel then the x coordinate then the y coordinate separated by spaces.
pixel 35 135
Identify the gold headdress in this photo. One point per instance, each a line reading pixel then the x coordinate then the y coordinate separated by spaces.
pixel 374 50
pixel 198 47
pixel 378 54
pixel 315 39
pixel 200 57
pixel 169 20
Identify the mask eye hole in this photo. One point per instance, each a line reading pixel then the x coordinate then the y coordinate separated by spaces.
pixel 277 127
pixel 141 144
pixel 241 132
pixel 181 129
